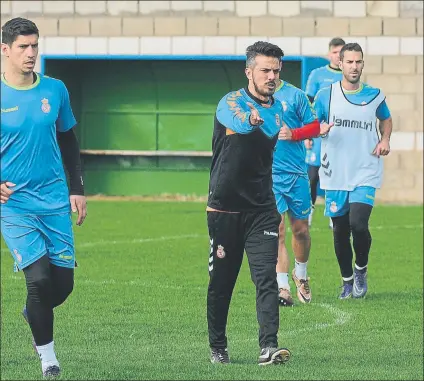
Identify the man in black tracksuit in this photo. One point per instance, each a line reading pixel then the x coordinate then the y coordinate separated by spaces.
pixel 241 210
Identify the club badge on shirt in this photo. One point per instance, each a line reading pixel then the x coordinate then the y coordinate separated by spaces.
pixel 45 107
pixel 277 120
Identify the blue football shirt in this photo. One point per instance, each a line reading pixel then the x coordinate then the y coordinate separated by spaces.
pixel 322 77
pixel 30 155
pixel 289 156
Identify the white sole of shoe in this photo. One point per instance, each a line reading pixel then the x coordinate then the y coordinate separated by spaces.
pixel 281 356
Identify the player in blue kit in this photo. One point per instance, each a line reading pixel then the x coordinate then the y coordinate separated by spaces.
pixel 351 165
pixel 318 79
pixel 36 132
pixel 291 188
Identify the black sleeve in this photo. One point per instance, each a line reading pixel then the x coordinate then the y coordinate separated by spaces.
pixel 69 148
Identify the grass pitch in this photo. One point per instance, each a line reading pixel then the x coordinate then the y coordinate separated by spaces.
pixel 138 310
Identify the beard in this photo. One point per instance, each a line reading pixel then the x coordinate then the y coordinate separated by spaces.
pixel 354 80
pixel 265 91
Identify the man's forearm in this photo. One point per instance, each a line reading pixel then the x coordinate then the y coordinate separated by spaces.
pixel 69 148
pixel 386 127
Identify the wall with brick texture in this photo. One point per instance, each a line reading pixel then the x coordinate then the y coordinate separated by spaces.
pixel 390 32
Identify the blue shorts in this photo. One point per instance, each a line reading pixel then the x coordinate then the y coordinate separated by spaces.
pixel 337 202
pixel 30 237
pixel 293 193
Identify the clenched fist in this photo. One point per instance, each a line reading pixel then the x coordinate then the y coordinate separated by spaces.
pixel 285 133
pixel 382 148
pixel 5 191
pixel 309 143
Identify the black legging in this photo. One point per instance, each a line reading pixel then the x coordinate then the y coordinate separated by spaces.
pixel 313 180
pixel 355 222
pixel 48 286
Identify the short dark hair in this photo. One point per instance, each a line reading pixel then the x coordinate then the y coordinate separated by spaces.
pixel 336 41
pixel 262 48
pixel 17 27
pixel 352 46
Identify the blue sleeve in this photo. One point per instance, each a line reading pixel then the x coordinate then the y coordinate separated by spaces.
pixel 66 119
pixel 383 111
pixel 311 85
pixel 305 111
pixel 321 106
pixel 233 114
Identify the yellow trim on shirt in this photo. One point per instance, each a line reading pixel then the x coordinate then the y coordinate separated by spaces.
pixel 35 84
pixel 329 68
pixel 358 90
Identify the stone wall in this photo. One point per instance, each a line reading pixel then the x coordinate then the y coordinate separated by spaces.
pixel 390 32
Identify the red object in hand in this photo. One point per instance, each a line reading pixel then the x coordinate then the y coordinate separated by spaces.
pixel 308 131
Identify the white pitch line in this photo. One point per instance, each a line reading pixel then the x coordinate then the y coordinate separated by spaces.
pixel 177 237
pixel 137 282
pixel 378 227
pixel 340 317
pixel 136 240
